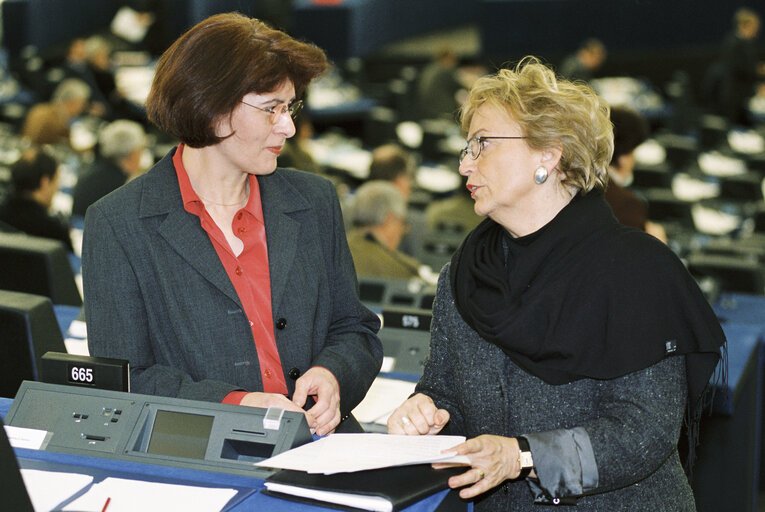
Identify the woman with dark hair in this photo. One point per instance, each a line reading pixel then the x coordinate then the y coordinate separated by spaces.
pixel 217 275
pixel 566 347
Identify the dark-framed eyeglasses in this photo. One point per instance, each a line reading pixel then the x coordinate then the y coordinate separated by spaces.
pixel 476 144
pixel 275 111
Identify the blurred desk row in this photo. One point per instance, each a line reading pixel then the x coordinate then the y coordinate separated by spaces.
pixel 727 473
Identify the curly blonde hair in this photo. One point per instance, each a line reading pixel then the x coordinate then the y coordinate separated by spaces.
pixel 552 112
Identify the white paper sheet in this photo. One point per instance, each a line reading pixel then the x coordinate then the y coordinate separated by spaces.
pixel 344 453
pixel 361 501
pixel 47 489
pixel 383 397
pixel 29 438
pixel 131 495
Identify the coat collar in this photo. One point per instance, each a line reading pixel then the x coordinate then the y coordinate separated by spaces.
pixel 182 231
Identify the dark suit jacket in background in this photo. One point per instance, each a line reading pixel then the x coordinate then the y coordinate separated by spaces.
pixel 97 181
pixel 157 294
pixel 29 216
pixel 629 209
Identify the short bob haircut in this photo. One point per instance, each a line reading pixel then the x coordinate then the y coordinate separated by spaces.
pixel 552 113
pixel 206 72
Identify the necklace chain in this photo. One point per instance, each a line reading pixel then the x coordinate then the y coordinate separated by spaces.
pixel 241 201
pixel 223 204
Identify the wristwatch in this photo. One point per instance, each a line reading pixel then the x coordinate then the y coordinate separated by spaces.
pixel 525 461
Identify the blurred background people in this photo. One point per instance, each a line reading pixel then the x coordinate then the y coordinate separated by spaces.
pixel 35 182
pixel 584 63
pixel 740 67
pixel 49 122
pixel 438 86
pixel 393 163
pixel 378 217
pixel 630 130
pixel 77 65
pixel 455 213
pixel 121 147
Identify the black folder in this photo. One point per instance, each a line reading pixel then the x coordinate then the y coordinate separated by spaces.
pixel 401 486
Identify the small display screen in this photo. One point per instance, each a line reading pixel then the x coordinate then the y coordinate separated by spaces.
pixel 180 434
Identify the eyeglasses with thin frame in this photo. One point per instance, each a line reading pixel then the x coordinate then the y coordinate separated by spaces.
pixel 476 144
pixel 275 111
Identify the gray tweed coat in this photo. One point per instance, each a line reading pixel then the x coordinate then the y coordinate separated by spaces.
pixel 607 445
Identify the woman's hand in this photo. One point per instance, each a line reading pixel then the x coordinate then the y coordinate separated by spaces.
pixel 418 416
pixel 322 385
pixel 493 459
pixel 266 400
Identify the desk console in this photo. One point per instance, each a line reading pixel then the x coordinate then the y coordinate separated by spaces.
pixel 157 430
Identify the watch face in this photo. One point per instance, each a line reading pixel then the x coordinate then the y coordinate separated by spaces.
pixel 526 460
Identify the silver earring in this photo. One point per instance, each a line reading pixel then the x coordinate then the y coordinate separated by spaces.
pixel 540 176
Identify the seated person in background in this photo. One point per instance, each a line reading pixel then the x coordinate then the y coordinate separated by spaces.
pixel 35 182
pixel 741 69
pixel 567 348
pixel 120 147
pixel 48 123
pixel 76 65
pixel 630 130
pixel 583 64
pixel 455 213
pixel 378 216
pixel 439 85
pixel 219 276
pixel 391 162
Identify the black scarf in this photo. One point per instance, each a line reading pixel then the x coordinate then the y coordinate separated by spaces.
pixel 586 297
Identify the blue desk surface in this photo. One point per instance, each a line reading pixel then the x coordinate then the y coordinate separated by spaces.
pixel 254 501
pixel 741 308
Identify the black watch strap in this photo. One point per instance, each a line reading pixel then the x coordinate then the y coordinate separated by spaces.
pixel 524 457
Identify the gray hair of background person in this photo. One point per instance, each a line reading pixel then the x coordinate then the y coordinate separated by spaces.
pixel 120 138
pixel 552 112
pixel 71 89
pixel 373 201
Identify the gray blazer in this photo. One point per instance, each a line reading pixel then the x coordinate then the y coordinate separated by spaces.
pixel 157 294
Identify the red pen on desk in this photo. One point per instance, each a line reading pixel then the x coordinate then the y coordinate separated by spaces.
pixel 106 505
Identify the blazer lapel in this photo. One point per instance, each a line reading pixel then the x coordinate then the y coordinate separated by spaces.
pixel 182 230
pixel 280 201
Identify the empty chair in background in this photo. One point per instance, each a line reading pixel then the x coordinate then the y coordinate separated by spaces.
pixel 39 266
pixel 30 329
pixel 733 273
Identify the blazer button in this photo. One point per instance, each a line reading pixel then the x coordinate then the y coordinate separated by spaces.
pixel 281 323
pixel 294 373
